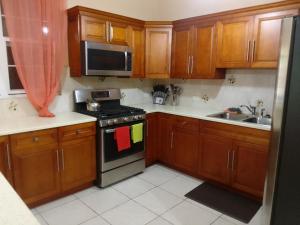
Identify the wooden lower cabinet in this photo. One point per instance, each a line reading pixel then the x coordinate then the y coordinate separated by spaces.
pixel 74 153
pixel 164 123
pixel 214 153
pixel 229 155
pixel 46 164
pixel 36 172
pixel 151 139
pixel 249 162
pixel 5 159
pixel 184 149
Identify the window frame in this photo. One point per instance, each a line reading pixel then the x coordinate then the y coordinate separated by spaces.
pixel 4 67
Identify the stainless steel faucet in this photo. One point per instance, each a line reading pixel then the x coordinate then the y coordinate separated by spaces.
pixel 252 109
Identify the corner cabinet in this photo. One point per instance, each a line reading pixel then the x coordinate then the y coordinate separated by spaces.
pixel 48 163
pixel 158 51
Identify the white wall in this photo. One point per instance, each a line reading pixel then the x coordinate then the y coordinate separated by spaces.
pixel 139 9
pixel 179 9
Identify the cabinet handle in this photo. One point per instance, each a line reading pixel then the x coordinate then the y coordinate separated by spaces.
pixel 253 50
pixel 35 139
pixel 62 159
pixel 189 63
pixel 192 66
pixel 172 139
pixel 107 31
pixel 111 32
pixel 233 159
pixel 228 159
pixel 147 124
pixel 248 50
pixel 8 157
pixel 57 158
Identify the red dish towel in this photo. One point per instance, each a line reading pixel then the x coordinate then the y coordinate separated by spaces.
pixel 122 137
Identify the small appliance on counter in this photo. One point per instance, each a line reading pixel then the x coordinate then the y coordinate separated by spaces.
pixel 160 94
pixel 120 134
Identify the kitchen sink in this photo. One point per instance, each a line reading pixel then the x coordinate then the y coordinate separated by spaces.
pixel 264 121
pixel 242 118
pixel 230 116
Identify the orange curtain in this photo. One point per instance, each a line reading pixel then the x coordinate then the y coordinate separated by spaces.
pixel 37 30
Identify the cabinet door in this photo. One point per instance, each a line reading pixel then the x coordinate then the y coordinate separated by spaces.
pixel 152 139
pixel 266 44
pixel 94 29
pixel 164 138
pixel 249 163
pixel 181 57
pixel 184 149
pixel 118 33
pixel 78 162
pixel 204 52
pixel 36 172
pixel 158 52
pixel 214 157
pixel 138 52
pixel 5 159
pixel 234 39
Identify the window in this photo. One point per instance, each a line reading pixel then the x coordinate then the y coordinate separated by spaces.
pixel 8 71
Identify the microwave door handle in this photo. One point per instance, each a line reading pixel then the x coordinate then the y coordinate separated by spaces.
pixel 86 58
pixel 126 60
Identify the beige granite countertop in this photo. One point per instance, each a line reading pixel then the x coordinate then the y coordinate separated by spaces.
pixel 198 113
pixel 32 123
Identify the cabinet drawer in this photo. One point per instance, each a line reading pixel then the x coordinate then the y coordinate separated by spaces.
pixel 186 123
pixel 76 131
pixel 33 139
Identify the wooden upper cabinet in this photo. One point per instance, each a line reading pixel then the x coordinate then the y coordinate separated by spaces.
pixel 137 44
pixel 5 159
pixel 204 52
pixel 118 33
pixel 94 29
pixel 234 40
pixel 181 52
pixel 266 38
pixel 158 51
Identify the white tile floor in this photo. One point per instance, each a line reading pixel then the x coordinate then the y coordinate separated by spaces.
pixel 155 197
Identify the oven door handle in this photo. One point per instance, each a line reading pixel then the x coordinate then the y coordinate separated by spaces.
pixel 109 131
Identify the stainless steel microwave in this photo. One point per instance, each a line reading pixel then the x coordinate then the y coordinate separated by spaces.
pixel 106 60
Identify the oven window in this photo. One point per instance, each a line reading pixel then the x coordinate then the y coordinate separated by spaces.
pixel 111 152
pixel 105 60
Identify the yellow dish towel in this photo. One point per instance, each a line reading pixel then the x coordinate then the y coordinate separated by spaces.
pixel 137 133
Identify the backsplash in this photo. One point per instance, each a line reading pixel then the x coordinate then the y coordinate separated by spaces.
pixel 134 91
pixel 239 87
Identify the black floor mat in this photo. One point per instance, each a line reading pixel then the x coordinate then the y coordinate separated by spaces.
pixel 226 202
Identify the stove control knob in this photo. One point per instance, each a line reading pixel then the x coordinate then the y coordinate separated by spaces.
pixel 136 117
pixel 110 122
pixel 116 121
pixel 141 117
pixel 125 119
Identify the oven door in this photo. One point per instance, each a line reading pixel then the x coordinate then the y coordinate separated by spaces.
pixel 111 157
pixel 106 60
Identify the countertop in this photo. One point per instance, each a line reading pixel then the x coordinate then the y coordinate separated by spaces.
pixel 13 210
pixel 198 113
pixel 33 123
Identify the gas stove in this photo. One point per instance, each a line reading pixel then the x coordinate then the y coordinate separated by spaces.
pixel 113 165
pixel 111 111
